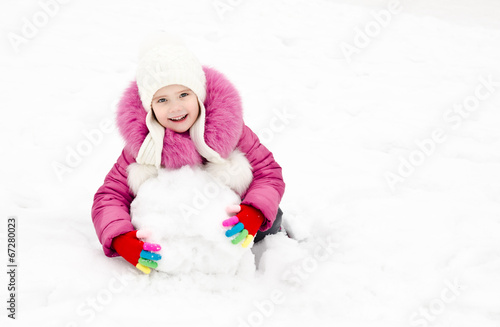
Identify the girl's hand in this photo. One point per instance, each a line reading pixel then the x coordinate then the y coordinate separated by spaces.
pixel 245 224
pixel 138 253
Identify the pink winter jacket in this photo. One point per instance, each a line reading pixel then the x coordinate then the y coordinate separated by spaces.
pixel 225 131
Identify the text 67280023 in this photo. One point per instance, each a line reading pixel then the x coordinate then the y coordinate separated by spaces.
pixel 11 267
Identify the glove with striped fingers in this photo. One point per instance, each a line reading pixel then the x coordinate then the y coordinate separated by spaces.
pixel 245 224
pixel 140 254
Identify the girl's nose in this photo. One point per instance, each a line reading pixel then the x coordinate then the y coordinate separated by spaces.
pixel 176 106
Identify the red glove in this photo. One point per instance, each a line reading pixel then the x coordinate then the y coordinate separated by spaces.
pixel 138 253
pixel 246 224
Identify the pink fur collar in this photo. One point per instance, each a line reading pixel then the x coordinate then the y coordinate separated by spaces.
pixel 223 123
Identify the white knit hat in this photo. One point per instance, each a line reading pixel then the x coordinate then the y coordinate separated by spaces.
pixel 165 61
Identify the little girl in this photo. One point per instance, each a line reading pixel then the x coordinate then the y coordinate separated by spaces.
pixel 179 113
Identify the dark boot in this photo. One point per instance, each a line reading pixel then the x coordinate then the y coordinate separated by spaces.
pixel 276 227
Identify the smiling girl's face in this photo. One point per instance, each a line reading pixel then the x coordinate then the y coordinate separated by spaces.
pixel 176 107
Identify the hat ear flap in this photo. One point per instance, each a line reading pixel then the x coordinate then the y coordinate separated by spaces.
pixel 152 146
pixel 197 134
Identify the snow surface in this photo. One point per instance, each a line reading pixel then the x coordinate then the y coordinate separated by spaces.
pixel 425 252
pixel 183 210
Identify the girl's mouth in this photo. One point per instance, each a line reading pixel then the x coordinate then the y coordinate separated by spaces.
pixel 178 118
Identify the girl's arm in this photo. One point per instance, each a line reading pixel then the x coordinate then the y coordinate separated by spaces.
pixel 111 208
pixel 267 187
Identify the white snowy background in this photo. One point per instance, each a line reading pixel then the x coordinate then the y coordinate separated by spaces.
pixel 341 111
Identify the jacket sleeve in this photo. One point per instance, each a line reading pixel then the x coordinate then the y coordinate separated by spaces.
pixel 111 208
pixel 267 187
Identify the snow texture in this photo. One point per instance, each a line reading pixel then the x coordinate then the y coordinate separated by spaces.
pixel 184 209
pixel 425 253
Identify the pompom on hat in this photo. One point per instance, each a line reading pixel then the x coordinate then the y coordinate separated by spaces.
pixel 165 60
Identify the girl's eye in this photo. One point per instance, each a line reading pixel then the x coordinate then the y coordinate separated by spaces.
pixel 184 94
pixel 162 100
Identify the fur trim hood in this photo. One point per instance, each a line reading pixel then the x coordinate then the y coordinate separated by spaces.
pixel 223 123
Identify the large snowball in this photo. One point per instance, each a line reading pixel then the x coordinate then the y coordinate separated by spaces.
pixel 184 210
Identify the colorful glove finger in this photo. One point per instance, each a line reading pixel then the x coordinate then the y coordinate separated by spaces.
pixel 245 225
pixel 138 253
